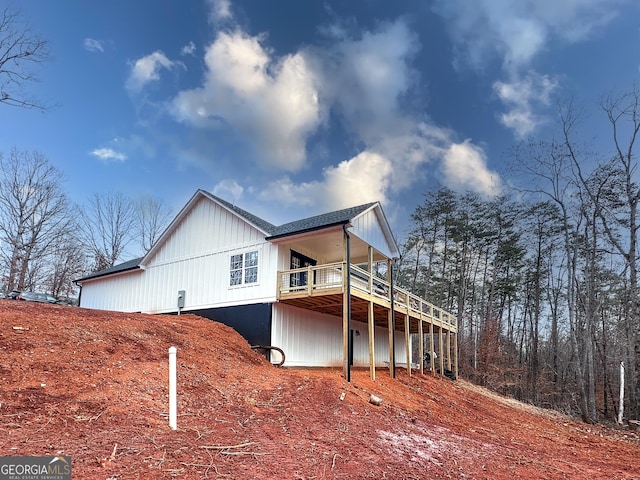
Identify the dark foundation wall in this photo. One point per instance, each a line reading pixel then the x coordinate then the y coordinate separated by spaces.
pixel 253 322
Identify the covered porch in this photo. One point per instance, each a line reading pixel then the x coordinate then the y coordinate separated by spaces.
pixel 360 294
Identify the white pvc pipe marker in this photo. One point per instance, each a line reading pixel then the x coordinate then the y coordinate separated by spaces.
pixel 173 401
pixel 621 410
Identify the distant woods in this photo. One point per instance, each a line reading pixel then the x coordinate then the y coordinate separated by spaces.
pixel 544 279
pixel 46 241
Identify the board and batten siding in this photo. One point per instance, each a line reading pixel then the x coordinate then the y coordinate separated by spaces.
pixel 116 292
pixel 368 227
pixel 207 228
pixel 312 339
pixel 195 257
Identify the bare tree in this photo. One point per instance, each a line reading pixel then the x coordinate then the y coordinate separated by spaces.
pixel 66 261
pixel 152 218
pixel 34 214
pixel 109 224
pixel 550 169
pixel 20 52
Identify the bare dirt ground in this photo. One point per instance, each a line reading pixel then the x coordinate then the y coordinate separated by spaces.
pixel 93 385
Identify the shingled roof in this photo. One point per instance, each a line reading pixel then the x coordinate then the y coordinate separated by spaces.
pixel 257 221
pixel 339 217
pixel 122 267
pixel 317 222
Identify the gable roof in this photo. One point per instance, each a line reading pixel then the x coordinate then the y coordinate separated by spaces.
pixel 251 218
pixel 272 232
pixel 318 222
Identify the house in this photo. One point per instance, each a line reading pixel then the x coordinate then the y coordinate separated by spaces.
pixel 320 288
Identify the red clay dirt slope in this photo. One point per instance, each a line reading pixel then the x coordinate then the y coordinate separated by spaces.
pixel 93 385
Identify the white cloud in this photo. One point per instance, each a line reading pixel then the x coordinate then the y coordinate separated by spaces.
pixel 398 163
pixel 515 33
pixel 277 103
pixel 365 78
pixel 285 192
pixel 364 178
pixel 576 20
pixel 106 154
pixel 522 96
pixel 272 102
pixel 188 49
pixel 93 45
pixel 219 11
pixel 147 69
pixel 465 167
pixel 361 179
pixel 229 189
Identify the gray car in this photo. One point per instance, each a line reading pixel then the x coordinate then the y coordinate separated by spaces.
pixel 36 297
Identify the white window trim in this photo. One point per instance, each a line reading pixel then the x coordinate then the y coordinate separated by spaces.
pixel 244 252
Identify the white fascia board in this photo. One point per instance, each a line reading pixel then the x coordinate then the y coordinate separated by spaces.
pixel 307 234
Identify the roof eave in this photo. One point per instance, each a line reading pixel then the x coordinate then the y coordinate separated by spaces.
pixel 108 274
pixel 308 230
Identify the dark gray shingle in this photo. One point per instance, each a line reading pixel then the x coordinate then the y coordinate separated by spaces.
pixel 122 267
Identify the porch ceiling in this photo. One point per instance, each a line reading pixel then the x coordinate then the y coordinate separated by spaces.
pixel 328 246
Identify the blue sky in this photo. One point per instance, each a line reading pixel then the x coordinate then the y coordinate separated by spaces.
pixel 293 108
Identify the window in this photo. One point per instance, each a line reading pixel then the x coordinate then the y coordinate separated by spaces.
pixel 243 268
pixel 298 261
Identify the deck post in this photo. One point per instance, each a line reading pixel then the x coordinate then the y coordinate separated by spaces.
pixel 392 324
pixel 372 355
pixel 406 341
pixel 455 352
pixel 449 366
pixel 421 345
pixel 440 346
pixel 432 348
pixel 371 319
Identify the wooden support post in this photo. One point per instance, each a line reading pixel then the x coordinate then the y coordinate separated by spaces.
pixel 455 352
pixel 432 349
pixel 372 354
pixel 392 350
pixel 421 346
pixel 392 323
pixel 440 353
pixel 407 342
pixel 449 350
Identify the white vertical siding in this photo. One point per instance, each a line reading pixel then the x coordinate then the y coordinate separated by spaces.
pixel 206 228
pixel 205 280
pixel 195 258
pixel 312 339
pixel 368 227
pixel 117 292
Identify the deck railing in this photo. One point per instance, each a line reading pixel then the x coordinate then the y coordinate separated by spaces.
pixel 319 278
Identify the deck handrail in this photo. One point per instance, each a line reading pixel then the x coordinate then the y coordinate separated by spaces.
pixel 330 276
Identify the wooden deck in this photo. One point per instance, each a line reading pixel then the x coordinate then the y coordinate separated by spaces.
pixel 323 288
